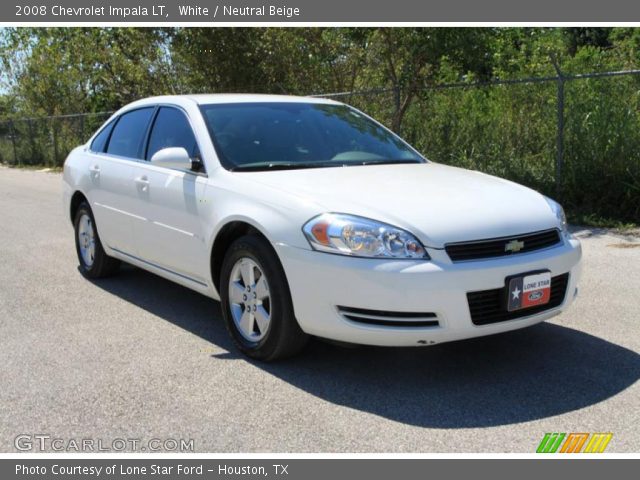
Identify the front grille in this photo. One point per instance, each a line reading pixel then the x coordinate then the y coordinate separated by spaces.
pixel 386 318
pixel 490 306
pixel 497 247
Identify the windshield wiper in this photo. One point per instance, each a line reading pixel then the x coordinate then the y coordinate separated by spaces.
pixel 384 162
pixel 296 166
pixel 282 166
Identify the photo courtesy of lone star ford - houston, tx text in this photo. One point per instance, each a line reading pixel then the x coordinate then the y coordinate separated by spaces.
pixel 319 239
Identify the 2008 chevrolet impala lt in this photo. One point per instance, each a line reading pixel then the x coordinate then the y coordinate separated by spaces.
pixel 305 217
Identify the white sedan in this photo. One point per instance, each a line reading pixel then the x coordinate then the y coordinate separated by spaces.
pixel 305 217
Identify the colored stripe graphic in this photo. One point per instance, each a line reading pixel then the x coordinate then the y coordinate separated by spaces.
pixel 574 443
pixel 598 442
pixel 550 442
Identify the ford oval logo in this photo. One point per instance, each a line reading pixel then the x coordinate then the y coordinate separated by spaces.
pixel 533 296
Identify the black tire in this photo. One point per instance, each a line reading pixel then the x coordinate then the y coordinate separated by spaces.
pixel 102 265
pixel 283 338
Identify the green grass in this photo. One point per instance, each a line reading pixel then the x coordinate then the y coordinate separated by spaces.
pixel 597 221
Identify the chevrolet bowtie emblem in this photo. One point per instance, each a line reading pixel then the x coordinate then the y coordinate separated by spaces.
pixel 514 246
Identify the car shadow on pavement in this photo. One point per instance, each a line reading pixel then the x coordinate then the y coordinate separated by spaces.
pixel 520 376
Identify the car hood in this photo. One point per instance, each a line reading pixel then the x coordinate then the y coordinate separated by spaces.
pixel 437 203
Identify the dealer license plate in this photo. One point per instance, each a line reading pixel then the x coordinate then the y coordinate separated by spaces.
pixel 529 290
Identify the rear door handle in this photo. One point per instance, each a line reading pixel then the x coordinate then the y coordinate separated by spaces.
pixel 95 170
pixel 142 182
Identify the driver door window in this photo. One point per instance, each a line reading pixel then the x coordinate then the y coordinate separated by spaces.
pixel 171 129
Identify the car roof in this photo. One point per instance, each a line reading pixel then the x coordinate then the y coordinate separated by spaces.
pixel 219 98
pixel 204 99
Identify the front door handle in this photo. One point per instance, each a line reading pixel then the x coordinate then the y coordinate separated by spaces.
pixel 142 182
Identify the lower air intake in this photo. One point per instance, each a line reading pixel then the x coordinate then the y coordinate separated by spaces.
pixel 386 318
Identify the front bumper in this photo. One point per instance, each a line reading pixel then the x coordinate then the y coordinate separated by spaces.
pixel 320 282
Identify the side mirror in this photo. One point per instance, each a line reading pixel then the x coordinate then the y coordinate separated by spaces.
pixel 173 157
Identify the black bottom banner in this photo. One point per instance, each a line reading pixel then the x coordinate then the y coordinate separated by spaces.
pixel 312 469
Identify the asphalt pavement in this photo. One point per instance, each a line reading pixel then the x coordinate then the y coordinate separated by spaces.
pixel 138 357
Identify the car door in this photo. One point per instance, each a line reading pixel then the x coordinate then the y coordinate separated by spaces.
pixel 171 201
pixel 110 169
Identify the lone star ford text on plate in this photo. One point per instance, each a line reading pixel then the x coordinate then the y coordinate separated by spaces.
pixel 305 217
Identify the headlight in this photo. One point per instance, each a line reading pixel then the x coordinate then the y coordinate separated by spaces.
pixel 361 237
pixel 559 212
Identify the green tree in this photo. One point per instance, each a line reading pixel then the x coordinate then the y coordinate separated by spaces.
pixel 270 60
pixel 406 60
pixel 55 71
pixel 209 60
pixel 314 60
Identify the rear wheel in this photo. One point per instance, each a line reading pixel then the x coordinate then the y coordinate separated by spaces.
pixel 94 262
pixel 256 302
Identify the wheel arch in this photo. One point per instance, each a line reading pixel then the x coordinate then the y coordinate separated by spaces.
pixel 76 199
pixel 230 232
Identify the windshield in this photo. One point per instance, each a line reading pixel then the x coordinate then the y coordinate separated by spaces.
pixel 269 136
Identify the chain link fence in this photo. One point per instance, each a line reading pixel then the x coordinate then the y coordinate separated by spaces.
pixel 45 141
pixel 573 137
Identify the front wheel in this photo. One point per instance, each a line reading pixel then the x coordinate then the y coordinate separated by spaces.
pixel 256 302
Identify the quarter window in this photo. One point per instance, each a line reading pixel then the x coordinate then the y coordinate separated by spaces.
pixel 128 133
pixel 171 129
pixel 100 142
